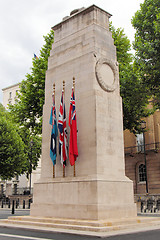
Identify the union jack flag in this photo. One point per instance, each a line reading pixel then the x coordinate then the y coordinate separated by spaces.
pixel 73 148
pixel 62 132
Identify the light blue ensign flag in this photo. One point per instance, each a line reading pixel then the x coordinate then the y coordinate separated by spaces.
pixel 54 133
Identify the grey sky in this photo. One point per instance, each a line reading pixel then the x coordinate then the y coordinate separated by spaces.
pixel 24 22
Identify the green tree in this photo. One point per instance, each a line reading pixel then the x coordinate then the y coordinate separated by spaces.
pixel 134 98
pixel 147 46
pixel 29 107
pixel 132 90
pixel 123 47
pixel 32 148
pixel 13 160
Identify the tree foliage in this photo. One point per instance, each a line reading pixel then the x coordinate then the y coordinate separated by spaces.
pixel 123 47
pixel 15 147
pixel 134 95
pixel 135 100
pixel 32 148
pixel 147 46
pixel 13 160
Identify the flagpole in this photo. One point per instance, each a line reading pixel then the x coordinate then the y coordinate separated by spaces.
pixel 54 102
pixel 63 133
pixel 74 166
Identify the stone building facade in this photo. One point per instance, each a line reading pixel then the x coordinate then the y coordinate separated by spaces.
pixel 9 94
pixel 135 157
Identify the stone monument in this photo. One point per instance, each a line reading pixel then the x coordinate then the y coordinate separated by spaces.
pixel 83 47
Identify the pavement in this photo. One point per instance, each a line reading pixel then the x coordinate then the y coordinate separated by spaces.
pixel 6 212
pixel 148 214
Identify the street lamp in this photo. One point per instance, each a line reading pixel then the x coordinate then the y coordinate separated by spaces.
pixel 30 167
pixel 143 127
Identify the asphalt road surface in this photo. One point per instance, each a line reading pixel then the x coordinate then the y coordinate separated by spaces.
pixel 20 234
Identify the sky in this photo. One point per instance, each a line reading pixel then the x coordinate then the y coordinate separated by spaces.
pixel 23 23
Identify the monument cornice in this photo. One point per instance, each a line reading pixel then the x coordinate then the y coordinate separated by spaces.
pixel 83 11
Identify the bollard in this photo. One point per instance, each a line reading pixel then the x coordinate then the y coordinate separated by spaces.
pixel 2 204
pixel 16 204
pixel 141 207
pixel 23 204
pixel 13 207
pixel 9 204
pixel 29 203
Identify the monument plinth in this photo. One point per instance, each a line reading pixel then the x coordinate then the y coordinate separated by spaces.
pixel 83 47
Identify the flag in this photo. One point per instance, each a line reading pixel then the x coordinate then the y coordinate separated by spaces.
pixel 54 133
pixel 35 56
pixel 73 149
pixel 62 132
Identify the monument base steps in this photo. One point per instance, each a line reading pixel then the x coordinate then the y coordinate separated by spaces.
pixel 81 226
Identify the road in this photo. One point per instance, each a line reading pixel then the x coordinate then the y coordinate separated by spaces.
pixel 21 234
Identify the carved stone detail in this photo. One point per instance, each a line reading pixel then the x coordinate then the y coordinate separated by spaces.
pixel 107 74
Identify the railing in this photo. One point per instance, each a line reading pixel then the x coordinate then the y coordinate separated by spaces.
pixel 140 148
pixel 16 191
pixel 16 203
pixel 22 191
pixel 148 203
pixel 20 198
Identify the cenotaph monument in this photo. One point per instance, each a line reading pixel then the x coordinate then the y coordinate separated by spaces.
pixel 84 48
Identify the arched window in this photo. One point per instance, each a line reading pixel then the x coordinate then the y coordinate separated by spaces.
pixel 142 173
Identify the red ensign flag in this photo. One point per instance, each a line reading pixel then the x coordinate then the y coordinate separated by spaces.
pixel 73 149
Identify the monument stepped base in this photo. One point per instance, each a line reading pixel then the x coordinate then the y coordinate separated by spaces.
pixel 85 199
pixel 84 227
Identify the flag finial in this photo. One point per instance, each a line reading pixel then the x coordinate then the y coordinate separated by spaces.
pixel 73 83
pixel 63 85
pixel 54 88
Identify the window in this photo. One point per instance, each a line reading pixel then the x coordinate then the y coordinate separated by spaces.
pixel 142 173
pixel 16 94
pixel 10 94
pixel 2 189
pixel 140 145
pixel 17 177
pixel 15 189
pixel 16 97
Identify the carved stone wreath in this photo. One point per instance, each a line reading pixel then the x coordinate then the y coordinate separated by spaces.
pixel 106 74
